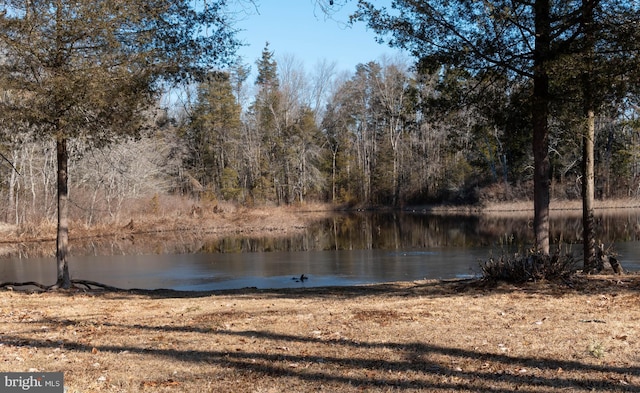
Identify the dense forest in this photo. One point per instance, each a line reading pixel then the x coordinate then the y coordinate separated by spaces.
pixel 386 134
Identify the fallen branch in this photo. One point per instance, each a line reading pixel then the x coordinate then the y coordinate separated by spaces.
pixel 76 284
pixel 11 285
pixel 89 284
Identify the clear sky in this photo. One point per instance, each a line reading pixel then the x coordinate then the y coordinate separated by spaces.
pixel 301 29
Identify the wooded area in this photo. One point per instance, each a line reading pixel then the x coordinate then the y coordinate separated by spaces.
pixel 503 102
pixel 386 136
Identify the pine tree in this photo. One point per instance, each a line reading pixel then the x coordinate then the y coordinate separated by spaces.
pixel 267 70
pixel 270 179
pixel 213 132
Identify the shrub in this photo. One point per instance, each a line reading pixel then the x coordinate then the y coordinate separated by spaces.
pixel 532 266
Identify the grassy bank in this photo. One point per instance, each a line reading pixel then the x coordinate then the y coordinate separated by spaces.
pixel 197 219
pixel 404 337
pixel 525 208
pixel 177 214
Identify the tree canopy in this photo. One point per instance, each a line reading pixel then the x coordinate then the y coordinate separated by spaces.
pixel 92 69
pixel 89 67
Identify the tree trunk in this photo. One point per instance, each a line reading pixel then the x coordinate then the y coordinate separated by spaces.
pixel 333 174
pixel 62 238
pixel 588 222
pixel 540 113
pixel 13 181
pixel 588 138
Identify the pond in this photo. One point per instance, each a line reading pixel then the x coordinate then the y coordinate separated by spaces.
pixel 347 249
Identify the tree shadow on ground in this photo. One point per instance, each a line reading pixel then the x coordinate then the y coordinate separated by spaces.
pixel 395 364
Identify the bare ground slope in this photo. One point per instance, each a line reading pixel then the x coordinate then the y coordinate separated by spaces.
pixel 403 337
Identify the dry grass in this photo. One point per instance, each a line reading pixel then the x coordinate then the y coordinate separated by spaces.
pixel 558 207
pixel 524 208
pixel 204 218
pixel 179 214
pixel 403 337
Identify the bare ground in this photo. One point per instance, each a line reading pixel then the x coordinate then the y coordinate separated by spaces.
pixel 459 336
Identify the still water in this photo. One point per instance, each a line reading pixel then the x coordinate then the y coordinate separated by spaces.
pixel 345 250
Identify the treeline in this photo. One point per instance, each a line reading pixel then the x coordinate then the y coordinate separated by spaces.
pixel 388 134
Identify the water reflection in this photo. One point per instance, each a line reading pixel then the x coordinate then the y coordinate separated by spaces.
pixel 392 231
pixel 344 250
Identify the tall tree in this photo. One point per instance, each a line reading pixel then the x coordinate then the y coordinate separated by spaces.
pixel 300 156
pixel 267 129
pixel 523 38
pixel 267 69
pixel 395 93
pixel 91 69
pixel 606 39
pixel 213 132
pixel 597 71
pixel 239 74
pixel 588 138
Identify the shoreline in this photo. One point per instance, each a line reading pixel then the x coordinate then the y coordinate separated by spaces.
pixel 526 207
pixel 271 221
pixel 279 220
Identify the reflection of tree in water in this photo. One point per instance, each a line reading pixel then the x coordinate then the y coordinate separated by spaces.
pixel 566 227
pixel 411 230
pixel 362 230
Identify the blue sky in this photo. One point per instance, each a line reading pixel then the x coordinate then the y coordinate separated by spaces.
pixel 301 29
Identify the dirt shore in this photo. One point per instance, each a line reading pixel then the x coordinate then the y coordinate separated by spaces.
pixel 430 336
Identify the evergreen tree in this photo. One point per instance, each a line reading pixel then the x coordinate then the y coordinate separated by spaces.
pixel 92 69
pixel 238 76
pixel 304 143
pixel 213 132
pixel 267 70
pixel 268 177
